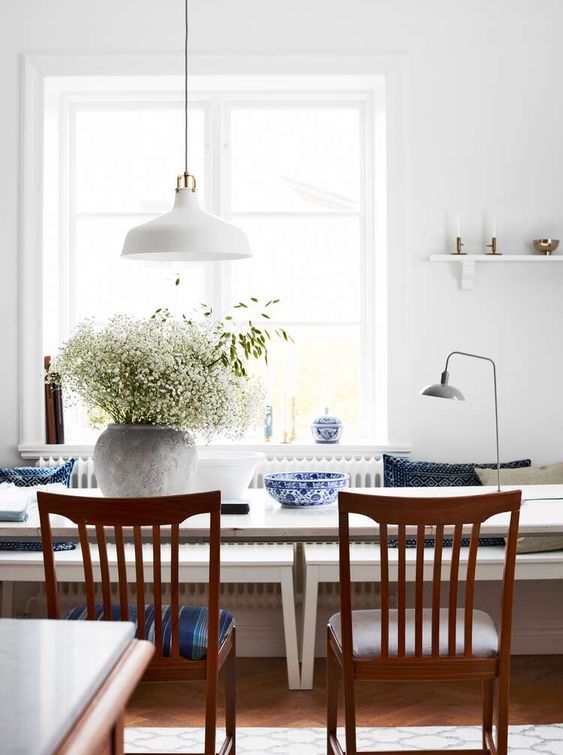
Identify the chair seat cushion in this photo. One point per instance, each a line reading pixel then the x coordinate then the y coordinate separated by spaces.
pixel 192 623
pixel 367 633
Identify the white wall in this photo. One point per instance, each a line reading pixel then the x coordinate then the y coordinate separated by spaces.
pixel 485 119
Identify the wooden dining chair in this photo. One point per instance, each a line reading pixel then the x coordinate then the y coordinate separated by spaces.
pixel 191 642
pixel 426 644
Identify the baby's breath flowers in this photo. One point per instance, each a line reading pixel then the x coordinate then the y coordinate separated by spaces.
pixel 184 374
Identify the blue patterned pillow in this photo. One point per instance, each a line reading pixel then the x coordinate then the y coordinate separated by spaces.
pixel 28 477
pixel 403 473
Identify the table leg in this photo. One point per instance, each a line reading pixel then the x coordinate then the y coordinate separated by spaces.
pixel 290 627
pixel 309 626
pixel 7 609
pixel 118 737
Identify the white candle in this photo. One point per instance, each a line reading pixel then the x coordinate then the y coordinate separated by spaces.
pixel 457 226
pixel 494 226
pixel 269 385
pixel 292 370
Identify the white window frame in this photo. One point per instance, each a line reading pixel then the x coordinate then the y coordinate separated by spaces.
pixel 385 299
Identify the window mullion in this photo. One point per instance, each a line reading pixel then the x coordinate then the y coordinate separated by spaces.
pixel 220 200
pixel 210 152
pixel 367 252
pixel 67 219
pixel 226 190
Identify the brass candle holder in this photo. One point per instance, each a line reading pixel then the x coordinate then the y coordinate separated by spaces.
pixel 493 247
pixel 293 431
pixel 289 436
pixel 458 246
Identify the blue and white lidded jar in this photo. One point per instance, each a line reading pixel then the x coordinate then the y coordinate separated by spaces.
pixel 326 429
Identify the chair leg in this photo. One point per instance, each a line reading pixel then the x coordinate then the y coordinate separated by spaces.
pixel 211 707
pixel 487 696
pixel 349 708
pixel 502 710
pixel 332 678
pixel 230 693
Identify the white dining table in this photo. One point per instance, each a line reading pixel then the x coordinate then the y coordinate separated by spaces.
pixel 541 513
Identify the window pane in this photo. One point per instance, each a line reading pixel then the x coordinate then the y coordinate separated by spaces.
pixel 293 171
pixel 312 264
pixel 321 369
pixel 105 284
pixel 295 159
pixel 128 156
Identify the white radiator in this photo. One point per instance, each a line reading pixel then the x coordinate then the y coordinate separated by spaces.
pixel 237 598
pixel 234 597
pixel 82 474
pixel 364 471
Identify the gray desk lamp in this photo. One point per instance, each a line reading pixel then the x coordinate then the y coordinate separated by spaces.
pixel 444 390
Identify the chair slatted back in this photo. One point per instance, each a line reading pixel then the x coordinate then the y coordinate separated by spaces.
pixel 101 518
pixel 447 517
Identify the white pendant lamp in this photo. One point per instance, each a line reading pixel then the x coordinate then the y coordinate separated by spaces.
pixel 186 233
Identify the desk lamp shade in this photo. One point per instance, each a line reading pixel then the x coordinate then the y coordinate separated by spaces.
pixel 443 390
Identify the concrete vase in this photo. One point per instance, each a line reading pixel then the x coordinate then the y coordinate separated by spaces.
pixel 133 461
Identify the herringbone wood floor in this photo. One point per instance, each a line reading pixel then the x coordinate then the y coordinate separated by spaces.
pixel 264 700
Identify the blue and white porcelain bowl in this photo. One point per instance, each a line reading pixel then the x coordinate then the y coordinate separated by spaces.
pixel 299 489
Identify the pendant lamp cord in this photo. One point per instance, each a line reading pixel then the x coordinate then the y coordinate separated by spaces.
pixel 186 86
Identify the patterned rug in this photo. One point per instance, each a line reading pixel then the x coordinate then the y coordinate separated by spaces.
pixel 523 740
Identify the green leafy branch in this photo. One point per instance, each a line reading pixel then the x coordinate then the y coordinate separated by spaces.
pixel 237 345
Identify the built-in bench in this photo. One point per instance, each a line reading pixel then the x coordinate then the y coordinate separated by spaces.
pixel 322 565
pixel 249 556
pixel 241 563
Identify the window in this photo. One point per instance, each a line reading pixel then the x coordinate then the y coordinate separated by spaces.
pixel 297 161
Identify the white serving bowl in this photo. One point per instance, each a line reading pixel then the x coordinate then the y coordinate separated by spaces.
pixel 228 471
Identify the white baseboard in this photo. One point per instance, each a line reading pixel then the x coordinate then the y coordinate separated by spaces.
pixel 542 637
pixel 260 641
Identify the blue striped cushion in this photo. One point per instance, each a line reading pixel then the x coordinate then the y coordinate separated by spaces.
pixel 192 621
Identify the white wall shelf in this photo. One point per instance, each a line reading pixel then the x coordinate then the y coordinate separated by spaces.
pixel 469 261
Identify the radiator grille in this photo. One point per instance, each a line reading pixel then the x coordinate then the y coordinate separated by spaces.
pixel 82 475
pixel 364 471
pixel 234 597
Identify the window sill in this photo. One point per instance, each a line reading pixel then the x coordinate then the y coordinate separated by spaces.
pixel 272 450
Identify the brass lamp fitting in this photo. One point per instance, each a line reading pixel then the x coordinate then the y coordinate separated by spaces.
pixel 183 182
